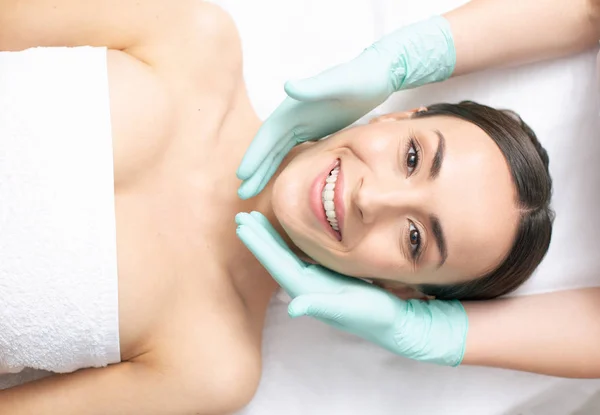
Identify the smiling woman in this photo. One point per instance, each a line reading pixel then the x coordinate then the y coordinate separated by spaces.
pixel 452 200
pixel 431 197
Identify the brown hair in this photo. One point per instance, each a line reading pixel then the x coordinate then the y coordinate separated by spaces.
pixel 528 163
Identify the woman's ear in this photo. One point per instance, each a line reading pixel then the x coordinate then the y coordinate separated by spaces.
pixel 397 116
pixel 403 291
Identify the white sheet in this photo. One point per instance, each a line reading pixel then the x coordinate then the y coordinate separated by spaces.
pixel 310 368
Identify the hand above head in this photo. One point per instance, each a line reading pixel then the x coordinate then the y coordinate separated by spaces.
pixel 316 107
pixel 432 331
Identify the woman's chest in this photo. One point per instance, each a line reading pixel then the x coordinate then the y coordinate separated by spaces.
pixel 179 265
pixel 170 239
pixel 175 201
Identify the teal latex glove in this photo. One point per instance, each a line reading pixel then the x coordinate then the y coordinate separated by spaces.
pixel 431 331
pixel 316 107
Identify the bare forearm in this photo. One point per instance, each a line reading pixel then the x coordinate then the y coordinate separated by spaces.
pixel 490 33
pixel 159 33
pixel 556 334
pixel 125 388
pixel 115 24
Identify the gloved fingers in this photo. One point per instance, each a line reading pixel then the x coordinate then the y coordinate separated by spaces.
pixel 353 80
pixel 269 135
pixel 263 228
pixel 274 163
pixel 277 258
pixel 331 307
pixel 254 155
pixel 257 182
pixel 251 186
pixel 327 85
pixel 273 159
pixel 264 222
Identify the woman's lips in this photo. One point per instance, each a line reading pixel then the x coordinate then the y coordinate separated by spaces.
pixel 316 205
pixel 338 199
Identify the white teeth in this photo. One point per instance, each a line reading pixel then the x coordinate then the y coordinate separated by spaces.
pixel 328 196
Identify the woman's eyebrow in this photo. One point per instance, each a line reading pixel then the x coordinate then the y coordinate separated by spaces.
pixel 440 240
pixel 438 158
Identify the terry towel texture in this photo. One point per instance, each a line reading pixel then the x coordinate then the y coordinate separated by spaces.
pixel 58 264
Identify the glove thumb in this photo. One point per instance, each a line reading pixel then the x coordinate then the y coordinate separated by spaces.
pixel 321 306
pixel 324 86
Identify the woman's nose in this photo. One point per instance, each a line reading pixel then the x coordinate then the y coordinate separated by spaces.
pixel 386 198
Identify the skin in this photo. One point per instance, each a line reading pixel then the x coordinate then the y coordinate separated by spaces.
pixel 385 198
pixel 484 31
pixel 192 298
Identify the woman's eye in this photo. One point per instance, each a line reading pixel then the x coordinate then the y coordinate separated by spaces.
pixel 412 158
pixel 414 238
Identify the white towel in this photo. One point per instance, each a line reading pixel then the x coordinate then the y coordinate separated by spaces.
pixel 58 269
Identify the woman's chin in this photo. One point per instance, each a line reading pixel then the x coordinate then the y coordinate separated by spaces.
pixel 312 253
pixel 285 197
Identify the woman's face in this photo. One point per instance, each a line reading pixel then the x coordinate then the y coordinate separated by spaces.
pixel 420 201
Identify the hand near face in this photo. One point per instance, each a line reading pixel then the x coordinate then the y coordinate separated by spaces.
pixel 415 55
pixel 431 331
pixel 295 276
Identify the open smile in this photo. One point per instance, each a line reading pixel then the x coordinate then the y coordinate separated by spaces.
pixel 329 204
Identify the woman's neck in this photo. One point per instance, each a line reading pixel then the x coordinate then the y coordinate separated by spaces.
pixel 238 132
pixel 262 202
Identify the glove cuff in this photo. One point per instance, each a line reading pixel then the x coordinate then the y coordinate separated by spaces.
pixel 461 337
pixel 425 53
pixel 433 331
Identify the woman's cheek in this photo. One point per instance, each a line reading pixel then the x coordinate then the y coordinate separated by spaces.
pixel 356 265
pixel 343 264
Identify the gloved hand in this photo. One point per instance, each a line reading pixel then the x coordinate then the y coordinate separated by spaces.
pixel 316 107
pixel 431 331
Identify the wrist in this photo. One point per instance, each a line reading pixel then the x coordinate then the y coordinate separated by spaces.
pixel 440 326
pixel 422 53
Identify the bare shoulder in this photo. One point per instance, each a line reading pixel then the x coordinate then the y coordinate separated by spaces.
pixel 199 36
pixel 215 367
pixel 209 345
pixel 195 56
